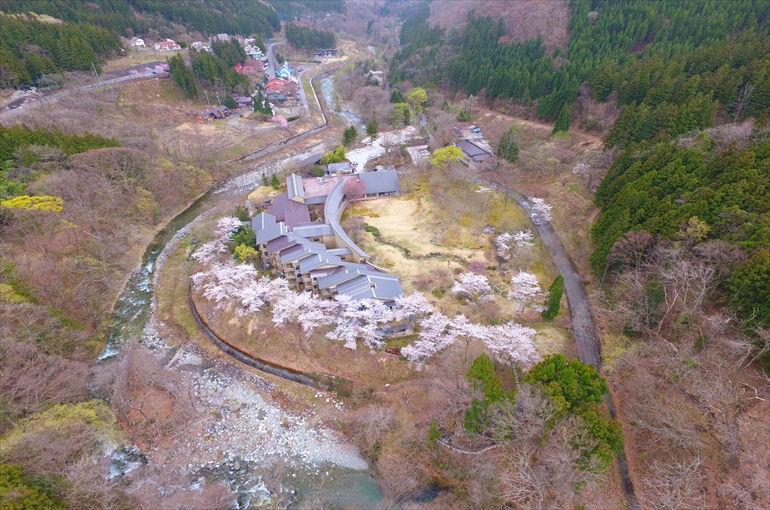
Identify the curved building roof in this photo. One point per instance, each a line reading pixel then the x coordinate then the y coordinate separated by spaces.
pixel 332 213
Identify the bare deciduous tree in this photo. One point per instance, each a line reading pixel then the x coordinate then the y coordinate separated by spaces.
pixel 674 485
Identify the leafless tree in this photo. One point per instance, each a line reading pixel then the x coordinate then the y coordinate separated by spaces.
pixel 30 381
pixel 741 101
pixel 674 485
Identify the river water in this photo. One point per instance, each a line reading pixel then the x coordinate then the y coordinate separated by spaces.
pixel 133 318
pixel 338 107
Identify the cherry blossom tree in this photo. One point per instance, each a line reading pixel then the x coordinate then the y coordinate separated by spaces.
pixel 320 312
pixel 210 250
pixel 474 287
pixel 415 304
pixel 361 319
pixel 506 241
pixel 228 283
pixel 512 343
pixel 524 288
pixel 434 336
pixel 289 305
pixel 540 208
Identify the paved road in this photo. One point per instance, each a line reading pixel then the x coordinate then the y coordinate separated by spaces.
pixel 271 63
pixel 584 330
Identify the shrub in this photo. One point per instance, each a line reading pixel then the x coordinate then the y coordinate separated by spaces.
pixel 553 302
pixel 434 432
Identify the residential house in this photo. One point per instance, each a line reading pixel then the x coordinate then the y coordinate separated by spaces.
pixel 284 72
pixel 218 113
pixel 275 97
pixel 253 51
pixel 327 53
pixel 243 102
pixel 473 153
pixel 201 46
pixel 167 45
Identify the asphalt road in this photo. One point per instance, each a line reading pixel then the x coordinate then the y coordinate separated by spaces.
pixel 584 330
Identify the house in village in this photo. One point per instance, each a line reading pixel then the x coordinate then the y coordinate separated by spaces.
pixel 218 113
pixel 243 101
pixel 252 51
pixel 284 86
pixel 167 45
pixel 473 154
pixel 284 72
pixel 319 256
pixel 327 53
pixel 201 46
pixel 136 42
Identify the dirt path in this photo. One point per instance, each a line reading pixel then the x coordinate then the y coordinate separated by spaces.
pixel 583 139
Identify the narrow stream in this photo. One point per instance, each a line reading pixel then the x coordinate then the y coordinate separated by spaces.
pixel 132 317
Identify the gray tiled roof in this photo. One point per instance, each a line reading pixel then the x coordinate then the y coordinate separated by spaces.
pixel 261 221
pixel 473 151
pixel 295 187
pixel 283 242
pixel 338 167
pixel 313 230
pixel 381 182
pixel 301 250
pixel 378 286
pixel 310 160
pixel 318 260
pixel 340 251
pixel 348 272
pixel 271 232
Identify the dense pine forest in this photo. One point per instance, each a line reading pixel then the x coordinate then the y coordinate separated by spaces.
pixel 30 48
pixel 309 38
pixel 604 36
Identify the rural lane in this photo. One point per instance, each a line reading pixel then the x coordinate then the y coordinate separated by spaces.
pixel 583 328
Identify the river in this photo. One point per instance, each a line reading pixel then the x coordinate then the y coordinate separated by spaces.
pixel 337 107
pixel 133 318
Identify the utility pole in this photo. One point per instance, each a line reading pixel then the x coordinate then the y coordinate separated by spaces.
pixel 470 110
pixel 197 77
pixel 97 74
pixel 219 101
pixel 207 97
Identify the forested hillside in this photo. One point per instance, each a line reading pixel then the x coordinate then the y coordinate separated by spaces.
pixel 207 17
pixel 30 47
pixel 309 38
pixel 604 35
pixel 290 9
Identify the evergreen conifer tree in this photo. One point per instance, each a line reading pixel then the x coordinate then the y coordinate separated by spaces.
pixel 564 120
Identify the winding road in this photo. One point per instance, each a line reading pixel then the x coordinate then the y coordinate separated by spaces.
pixel 584 330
